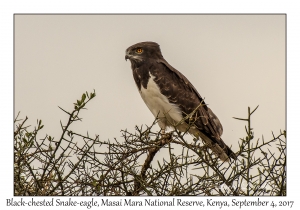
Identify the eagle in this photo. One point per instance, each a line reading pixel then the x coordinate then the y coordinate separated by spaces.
pixel 173 99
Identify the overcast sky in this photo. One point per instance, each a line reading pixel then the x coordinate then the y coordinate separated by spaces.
pixel 234 61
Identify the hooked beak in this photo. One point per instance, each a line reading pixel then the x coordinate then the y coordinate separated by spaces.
pixel 126 57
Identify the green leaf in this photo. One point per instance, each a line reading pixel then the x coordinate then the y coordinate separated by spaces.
pixel 83 97
pixel 25 140
pixel 284 133
pixel 93 95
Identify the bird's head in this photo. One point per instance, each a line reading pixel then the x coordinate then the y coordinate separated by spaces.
pixel 142 51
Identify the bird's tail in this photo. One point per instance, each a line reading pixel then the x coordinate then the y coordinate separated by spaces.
pixel 226 153
pixel 219 148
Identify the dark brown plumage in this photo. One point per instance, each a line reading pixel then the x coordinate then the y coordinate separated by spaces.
pixel 171 97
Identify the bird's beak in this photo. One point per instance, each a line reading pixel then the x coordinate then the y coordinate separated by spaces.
pixel 126 57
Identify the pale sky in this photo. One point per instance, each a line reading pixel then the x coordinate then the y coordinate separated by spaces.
pixel 234 61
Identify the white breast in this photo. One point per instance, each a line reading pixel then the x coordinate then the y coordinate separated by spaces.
pixel 159 104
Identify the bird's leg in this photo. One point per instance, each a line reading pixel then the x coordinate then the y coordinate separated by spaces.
pixel 162 125
pixel 163 135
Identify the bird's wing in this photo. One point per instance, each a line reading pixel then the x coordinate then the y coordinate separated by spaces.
pixel 208 122
pixel 188 99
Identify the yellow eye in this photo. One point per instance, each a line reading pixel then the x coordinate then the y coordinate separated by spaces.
pixel 139 50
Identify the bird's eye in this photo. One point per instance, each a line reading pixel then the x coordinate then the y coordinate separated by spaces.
pixel 139 50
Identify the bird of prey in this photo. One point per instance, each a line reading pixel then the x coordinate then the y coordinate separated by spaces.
pixel 173 99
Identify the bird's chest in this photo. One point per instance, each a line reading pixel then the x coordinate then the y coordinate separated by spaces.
pixel 158 103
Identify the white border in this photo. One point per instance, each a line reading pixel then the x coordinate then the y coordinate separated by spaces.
pixel 8 8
